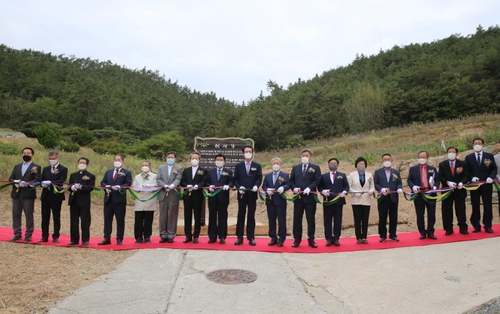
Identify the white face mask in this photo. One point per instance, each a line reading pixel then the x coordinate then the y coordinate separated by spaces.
pixel 52 162
pixel 422 161
pixel 478 148
pixel 219 164
pixel 276 168
pixel 82 167
pixel 305 160
pixel 248 155
pixel 387 164
pixel 117 164
pixel 452 156
pixel 195 162
pixel 145 169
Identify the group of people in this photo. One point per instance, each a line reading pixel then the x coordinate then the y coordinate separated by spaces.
pixel 305 184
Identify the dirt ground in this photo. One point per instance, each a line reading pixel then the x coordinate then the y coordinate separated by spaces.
pixel 34 278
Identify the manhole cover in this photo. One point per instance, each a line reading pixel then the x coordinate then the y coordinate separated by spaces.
pixel 231 276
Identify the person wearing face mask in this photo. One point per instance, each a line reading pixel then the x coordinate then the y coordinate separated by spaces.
pixel 24 176
pixel 422 178
pixel 144 208
pixel 82 183
pixel 275 183
pixel 333 183
pixel 115 181
pixel 169 177
pixel 454 173
pixel 247 179
pixel 193 179
pixel 388 184
pixel 304 181
pixel 219 178
pixel 362 188
pixel 54 174
pixel 483 169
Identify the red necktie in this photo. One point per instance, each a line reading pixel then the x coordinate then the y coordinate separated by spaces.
pixel 452 167
pixel 115 175
pixel 333 177
pixel 423 177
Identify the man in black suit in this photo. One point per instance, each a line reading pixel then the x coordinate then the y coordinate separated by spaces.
pixel 275 183
pixel 333 183
pixel 454 173
pixel 218 178
pixel 115 180
pixel 55 174
pixel 482 168
pixel 82 183
pixel 193 179
pixel 247 179
pixel 388 183
pixel 304 179
pixel 423 178
pixel 24 176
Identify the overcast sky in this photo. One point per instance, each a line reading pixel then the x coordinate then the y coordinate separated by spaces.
pixel 233 47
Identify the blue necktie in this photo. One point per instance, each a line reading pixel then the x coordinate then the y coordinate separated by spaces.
pixel 218 174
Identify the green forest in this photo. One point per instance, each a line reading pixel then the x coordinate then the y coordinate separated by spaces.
pixel 70 102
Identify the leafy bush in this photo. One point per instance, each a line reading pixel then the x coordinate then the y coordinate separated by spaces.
pixel 48 134
pixel 156 146
pixel 9 149
pixel 103 147
pixel 81 136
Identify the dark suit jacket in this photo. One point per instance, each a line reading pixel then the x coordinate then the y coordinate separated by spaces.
pixel 310 180
pixel 124 179
pixel 484 171
pixel 58 179
pixel 32 174
pixel 199 179
pixel 340 185
pixel 248 181
pixel 276 198
pixel 225 179
pixel 461 175
pixel 414 177
pixel 81 197
pixel 380 180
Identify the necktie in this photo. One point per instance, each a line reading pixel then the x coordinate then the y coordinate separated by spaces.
pixel 452 167
pixel 274 178
pixel 218 174
pixel 53 168
pixel 248 168
pixel 478 159
pixel 423 178
pixel 333 177
pixel 304 170
pixel 115 175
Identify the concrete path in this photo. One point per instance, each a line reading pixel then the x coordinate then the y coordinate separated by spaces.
pixel 441 278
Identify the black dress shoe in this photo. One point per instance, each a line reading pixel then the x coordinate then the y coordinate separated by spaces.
pixel 252 242
pixel 394 238
pixel 170 240
pixel 210 241
pixel 119 241
pixel 15 238
pixel 187 240
pixel 43 240
pixel 464 232
pixel 138 241
pixel 488 230
pixel 476 230
pixel 448 233
pixel 238 242
pixel 86 243
pixel 381 240
pixel 163 240
pixel 272 242
pixel 196 240
pixel 104 242
pixel 336 242
pixel 222 241
pixel 27 239
pixel 147 240
pixel 73 243
pixel 55 240
pixel 422 236
pixel 296 244
pixel 280 244
pixel 328 242
pixel 432 236
pixel 313 244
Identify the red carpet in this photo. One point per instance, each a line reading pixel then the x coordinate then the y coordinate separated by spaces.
pixel 346 244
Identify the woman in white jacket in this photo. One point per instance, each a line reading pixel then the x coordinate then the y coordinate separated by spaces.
pixel 361 189
pixel 144 210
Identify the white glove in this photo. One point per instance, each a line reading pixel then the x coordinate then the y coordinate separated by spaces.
pixel 108 191
pixel 307 191
pixel 280 190
pixel 195 187
pixel 370 192
pixel 270 191
pixel 46 183
pixel 475 179
pixel 211 188
pixel 255 188
pixel 460 185
pixel 242 190
pixel 296 190
pixel 116 187
pixel 451 184
pixel 22 184
pixel 147 185
pixel 16 183
pixel 357 194
pixel 383 191
pixel 400 191
pixel 343 194
pixel 225 187
pixel 434 188
pixel 416 188
pixel 73 187
pixel 431 181
pixel 166 187
pixel 78 186
pixel 325 193
pixel 189 187
pixel 171 186
pixel 489 180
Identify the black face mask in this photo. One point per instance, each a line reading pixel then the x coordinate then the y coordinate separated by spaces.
pixel 26 158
